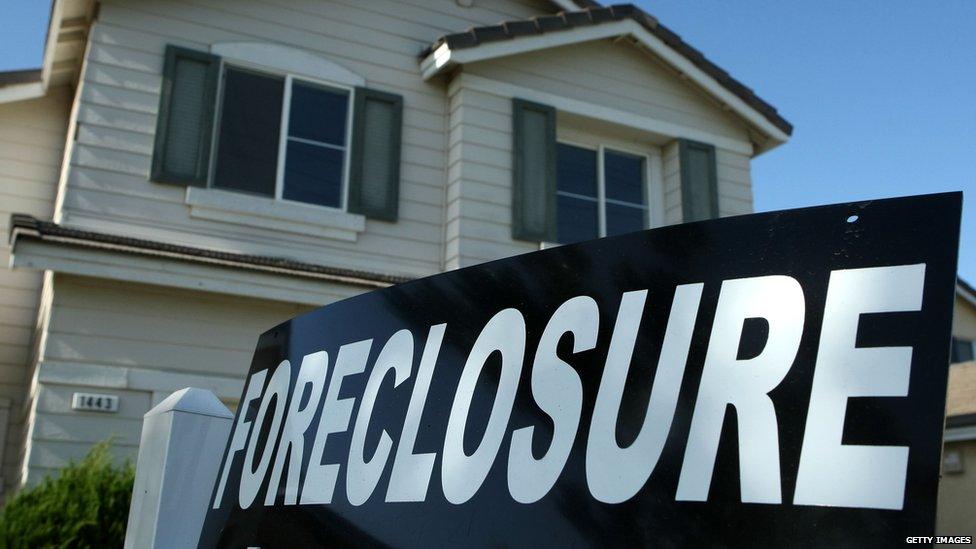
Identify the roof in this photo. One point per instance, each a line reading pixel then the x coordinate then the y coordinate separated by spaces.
pixel 23 76
pixel 30 228
pixel 966 290
pixel 596 15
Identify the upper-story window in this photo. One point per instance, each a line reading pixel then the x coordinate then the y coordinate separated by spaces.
pixel 281 124
pixel 283 137
pixel 599 192
pixel 963 350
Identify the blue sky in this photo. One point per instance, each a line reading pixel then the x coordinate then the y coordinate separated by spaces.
pixel 882 94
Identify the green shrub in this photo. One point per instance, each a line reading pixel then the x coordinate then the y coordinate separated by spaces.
pixel 86 505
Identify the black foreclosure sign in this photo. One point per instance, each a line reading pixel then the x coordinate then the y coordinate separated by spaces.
pixel 768 379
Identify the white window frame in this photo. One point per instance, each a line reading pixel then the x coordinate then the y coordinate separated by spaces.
pixel 601 195
pixel 283 137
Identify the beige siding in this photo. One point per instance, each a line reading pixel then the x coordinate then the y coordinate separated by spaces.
pixel 32 136
pixel 479 191
pixel 961 393
pixel 139 342
pixel 672 184
pixel 964 319
pixel 734 183
pixel 956 491
pixel 616 75
pixel 107 187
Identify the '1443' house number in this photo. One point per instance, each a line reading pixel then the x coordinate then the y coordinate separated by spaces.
pixel 95 403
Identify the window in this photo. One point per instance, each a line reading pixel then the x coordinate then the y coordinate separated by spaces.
pixel 292 128
pixel 282 137
pixel 962 350
pixel 599 192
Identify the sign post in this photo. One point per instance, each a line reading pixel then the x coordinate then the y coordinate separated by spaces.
pixel 178 457
pixel 767 379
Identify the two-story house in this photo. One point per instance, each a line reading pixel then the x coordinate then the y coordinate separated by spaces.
pixel 189 173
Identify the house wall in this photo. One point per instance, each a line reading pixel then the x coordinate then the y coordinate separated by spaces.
pixel 603 73
pixel 964 319
pixel 956 515
pixel 620 76
pixel 108 188
pixel 32 136
pixel 672 184
pixel 479 181
pixel 139 342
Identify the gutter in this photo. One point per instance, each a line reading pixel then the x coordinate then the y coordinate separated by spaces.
pixel 959 428
pixel 26 227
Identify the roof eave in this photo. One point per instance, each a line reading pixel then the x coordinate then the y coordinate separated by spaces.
pixel 28 228
pixel 966 291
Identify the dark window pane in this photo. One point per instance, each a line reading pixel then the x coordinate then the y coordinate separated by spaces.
pixel 962 350
pixel 313 174
pixel 577 219
pixel 318 114
pixel 624 219
pixel 250 123
pixel 576 170
pixel 624 177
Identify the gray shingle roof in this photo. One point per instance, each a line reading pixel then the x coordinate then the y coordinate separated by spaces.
pixel 596 15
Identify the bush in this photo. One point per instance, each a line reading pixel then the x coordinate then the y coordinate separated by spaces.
pixel 86 505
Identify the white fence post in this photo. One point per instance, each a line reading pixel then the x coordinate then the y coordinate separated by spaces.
pixel 183 439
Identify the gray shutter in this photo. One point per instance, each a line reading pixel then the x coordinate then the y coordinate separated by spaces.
pixel 534 184
pixel 374 175
pixel 184 126
pixel 699 181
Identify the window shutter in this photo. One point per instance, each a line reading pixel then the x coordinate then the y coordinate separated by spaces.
pixel 374 175
pixel 184 126
pixel 699 182
pixel 534 184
